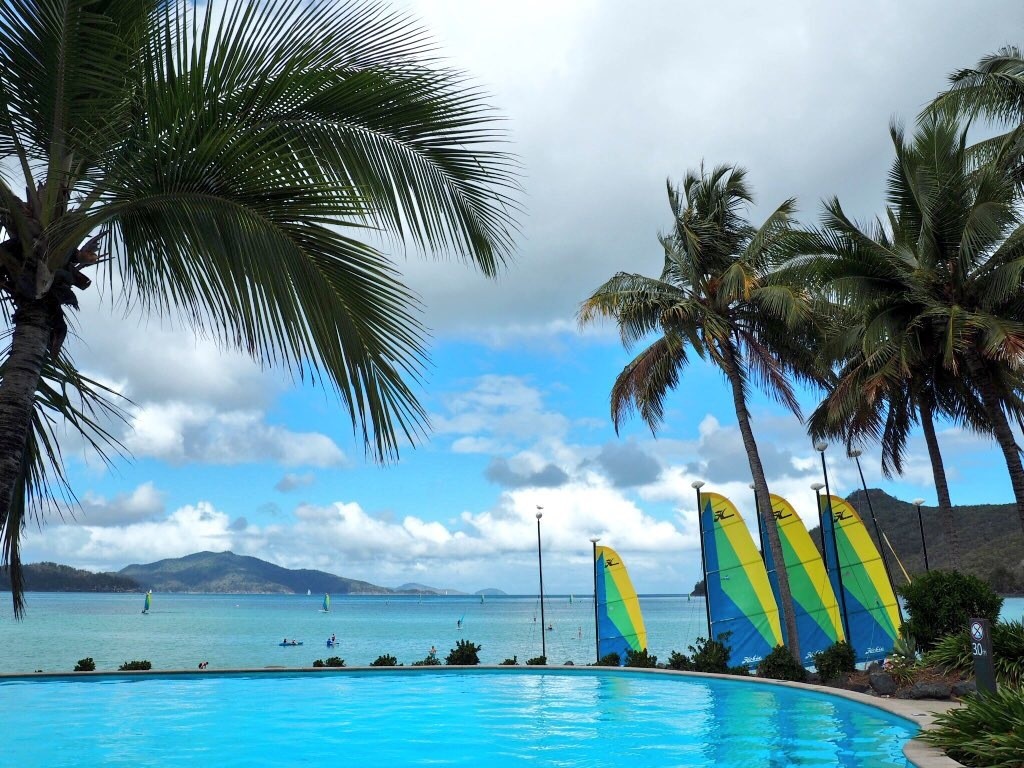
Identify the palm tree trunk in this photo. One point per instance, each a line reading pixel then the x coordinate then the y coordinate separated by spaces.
pixel 19 379
pixel 764 502
pixel 941 486
pixel 1001 430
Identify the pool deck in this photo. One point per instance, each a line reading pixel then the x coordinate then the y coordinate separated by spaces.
pixel 920 711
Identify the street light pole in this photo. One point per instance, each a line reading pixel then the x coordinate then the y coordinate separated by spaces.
pixel 760 525
pixel 920 524
pixel 540 570
pixel 697 485
pixel 597 631
pixel 820 447
pixel 816 487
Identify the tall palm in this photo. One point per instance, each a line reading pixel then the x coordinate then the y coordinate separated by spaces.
pixel 718 295
pixel 228 165
pixel 937 288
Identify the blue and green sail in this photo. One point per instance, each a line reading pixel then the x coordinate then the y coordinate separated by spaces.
pixel 620 625
pixel 149 602
pixel 818 621
pixel 740 599
pixel 867 598
pixel 327 603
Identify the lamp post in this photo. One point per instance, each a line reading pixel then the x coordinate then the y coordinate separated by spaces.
pixel 920 524
pixel 816 487
pixel 597 633
pixel 821 446
pixel 540 570
pixel 697 485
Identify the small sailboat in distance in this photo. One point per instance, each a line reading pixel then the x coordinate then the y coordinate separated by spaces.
pixel 327 604
pixel 309 592
pixel 149 601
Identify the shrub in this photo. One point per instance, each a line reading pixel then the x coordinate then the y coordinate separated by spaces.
pixel 711 655
pixel 988 730
pixel 953 653
pixel 609 660
pixel 464 654
pixel 780 665
pixel 134 665
pixel 385 661
pixel 334 661
pixel 538 661
pixel 430 661
pixel 85 665
pixel 942 602
pixel 680 661
pixel 318 663
pixel 514 661
pixel 836 661
pixel 640 659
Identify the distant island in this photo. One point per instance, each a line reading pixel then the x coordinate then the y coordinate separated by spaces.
pixel 210 572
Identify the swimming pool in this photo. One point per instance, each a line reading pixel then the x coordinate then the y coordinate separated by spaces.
pixel 395 717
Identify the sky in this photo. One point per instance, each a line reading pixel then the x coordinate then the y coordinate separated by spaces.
pixel 604 101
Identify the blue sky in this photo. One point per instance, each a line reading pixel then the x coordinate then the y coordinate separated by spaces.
pixel 603 104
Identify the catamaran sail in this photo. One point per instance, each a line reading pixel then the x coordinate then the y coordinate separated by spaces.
pixel 818 621
pixel 739 596
pixel 866 596
pixel 149 601
pixel 620 625
pixel 327 603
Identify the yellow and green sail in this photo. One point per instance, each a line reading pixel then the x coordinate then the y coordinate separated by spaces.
pixel 867 598
pixel 620 625
pixel 739 595
pixel 818 621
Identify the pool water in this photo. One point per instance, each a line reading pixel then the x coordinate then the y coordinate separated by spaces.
pixel 396 717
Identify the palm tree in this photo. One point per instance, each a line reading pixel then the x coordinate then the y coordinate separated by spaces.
pixel 937 289
pixel 719 296
pixel 227 166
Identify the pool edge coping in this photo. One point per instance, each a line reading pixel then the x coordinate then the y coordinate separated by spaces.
pixel 917 752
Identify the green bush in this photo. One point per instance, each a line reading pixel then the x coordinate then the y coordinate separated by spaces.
pixel 430 661
pixel 513 662
pixel 609 660
pixel 538 661
pixel 318 663
pixel 836 661
pixel 334 661
pixel 780 665
pixel 134 665
pixel 641 659
pixel 385 661
pixel 711 655
pixel 988 730
pixel 942 602
pixel 953 653
pixel 464 654
pixel 679 661
pixel 85 665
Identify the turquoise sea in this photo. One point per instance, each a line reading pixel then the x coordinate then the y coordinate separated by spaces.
pixel 244 631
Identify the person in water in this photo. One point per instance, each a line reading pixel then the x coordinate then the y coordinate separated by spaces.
pixel 459 623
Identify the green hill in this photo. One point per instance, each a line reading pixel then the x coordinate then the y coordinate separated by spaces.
pixel 239 574
pixel 51 577
pixel 991 539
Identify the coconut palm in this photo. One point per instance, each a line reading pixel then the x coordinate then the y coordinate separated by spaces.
pixel 937 288
pixel 228 167
pixel 719 297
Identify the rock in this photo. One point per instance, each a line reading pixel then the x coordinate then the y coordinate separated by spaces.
pixel 853 684
pixel 938 690
pixel 874 666
pixel 964 687
pixel 883 683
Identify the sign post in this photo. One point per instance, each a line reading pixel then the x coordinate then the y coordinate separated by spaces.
pixel 981 650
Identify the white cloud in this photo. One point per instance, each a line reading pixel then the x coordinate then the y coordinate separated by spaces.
pixel 143 503
pixel 292 480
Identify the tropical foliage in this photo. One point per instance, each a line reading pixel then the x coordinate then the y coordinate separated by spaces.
pixel 224 164
pixel 953 653
pixel 987 730
pixel 940 603
pixel 780 665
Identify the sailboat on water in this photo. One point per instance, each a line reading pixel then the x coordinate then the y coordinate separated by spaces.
pixel 327 604
pixel 149 602
pixel 619 623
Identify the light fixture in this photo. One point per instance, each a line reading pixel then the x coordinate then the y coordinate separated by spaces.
pixel 817 486
pixel 853 454
pixel 820 446
pixel 698 484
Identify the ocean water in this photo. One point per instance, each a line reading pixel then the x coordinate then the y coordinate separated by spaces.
pixel 244 631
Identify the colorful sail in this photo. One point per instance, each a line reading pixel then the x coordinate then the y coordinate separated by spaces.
pixel 620 625
pixel 866 597
pixel 739 595
pixel 149 601
pixel 818 621
pixel 327 603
